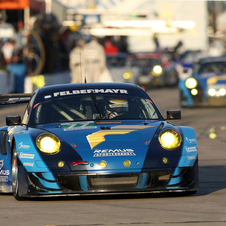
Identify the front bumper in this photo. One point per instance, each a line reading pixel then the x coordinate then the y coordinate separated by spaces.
pixel 150 81
pixel 201 99
pixel 150 181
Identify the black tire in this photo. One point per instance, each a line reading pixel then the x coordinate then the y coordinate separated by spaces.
pixel 19 178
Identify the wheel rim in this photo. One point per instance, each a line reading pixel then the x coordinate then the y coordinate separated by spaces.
pixel 15 173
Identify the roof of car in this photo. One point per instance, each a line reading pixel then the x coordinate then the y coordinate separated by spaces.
pixel 212 59
pixel 146 55
pixel 110 85
pixel 120 54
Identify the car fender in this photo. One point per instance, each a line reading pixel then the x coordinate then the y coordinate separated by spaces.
pixel 189 147
pixel 31 159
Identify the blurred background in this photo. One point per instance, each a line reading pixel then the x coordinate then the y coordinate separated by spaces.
pixel 37 37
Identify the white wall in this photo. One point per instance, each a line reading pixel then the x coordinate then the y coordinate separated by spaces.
pixel 195 38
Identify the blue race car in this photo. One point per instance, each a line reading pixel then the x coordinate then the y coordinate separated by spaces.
pixel 207 84
pixel 94 138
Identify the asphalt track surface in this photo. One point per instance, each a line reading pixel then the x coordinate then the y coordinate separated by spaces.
pixel 206 208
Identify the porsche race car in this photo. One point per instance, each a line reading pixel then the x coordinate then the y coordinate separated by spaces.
pixel 94 139
pixel 152 70
pixel 207 84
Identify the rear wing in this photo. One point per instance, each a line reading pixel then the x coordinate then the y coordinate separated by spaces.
pixel 15 98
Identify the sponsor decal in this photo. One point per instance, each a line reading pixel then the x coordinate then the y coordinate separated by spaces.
pixel 21 145
pixel 28 164
pixel 3 172
pixel 190 140
pixel 79 163
pixel 1 164
pixel 26 156
pixel 73 145
pixel 113 152
pixel 47 96
pixel 98 137
pixel 85 91
pixel 191 149
pixel 78 125
pixel 191 157
pixel 147 142
pixel 4 178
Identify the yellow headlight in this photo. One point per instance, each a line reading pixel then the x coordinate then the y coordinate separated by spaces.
pixel 128 75
pixel 48 144
pixel 194 92
pixel 191 83
pixel 170 139
pixel 157 70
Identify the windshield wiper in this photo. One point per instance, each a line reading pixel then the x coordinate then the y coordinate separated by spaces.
pixel 96 105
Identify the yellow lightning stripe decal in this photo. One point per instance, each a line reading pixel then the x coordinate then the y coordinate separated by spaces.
pixel 98 137
pixel 215 79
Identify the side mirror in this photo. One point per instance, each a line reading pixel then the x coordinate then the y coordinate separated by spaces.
pixel 173 114
pixel 13 120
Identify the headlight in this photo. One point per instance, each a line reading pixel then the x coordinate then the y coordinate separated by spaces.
pixel 191 83
pixel 170 139
pixel 128 75
pixel 212 92
pixel 194 92
pixel 48 144
pixel 157 70
pixel 222 91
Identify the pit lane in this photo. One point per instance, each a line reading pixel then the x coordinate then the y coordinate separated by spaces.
pixel 206 207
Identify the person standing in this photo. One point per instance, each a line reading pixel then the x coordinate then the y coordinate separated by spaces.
pixel 110 48
pixel 95 60
pixel 7 50
pixel 77 62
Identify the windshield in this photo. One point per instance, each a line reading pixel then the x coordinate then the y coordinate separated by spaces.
pixel 115 61
pixel 82 107
pixel 145 62
pixel 210 67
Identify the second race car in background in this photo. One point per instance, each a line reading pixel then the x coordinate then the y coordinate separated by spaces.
pixel 207 85
pixel 153 72
pixel 185 64
pixel 119 69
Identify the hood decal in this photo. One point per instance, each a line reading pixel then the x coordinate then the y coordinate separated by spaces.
pixel 78 125
pixel 98 137
pixel 215 79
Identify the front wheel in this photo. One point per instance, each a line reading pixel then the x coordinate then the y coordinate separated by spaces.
pixel 19 178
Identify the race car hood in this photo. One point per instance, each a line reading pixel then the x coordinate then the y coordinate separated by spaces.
pixel 95 141
pixel 211 79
